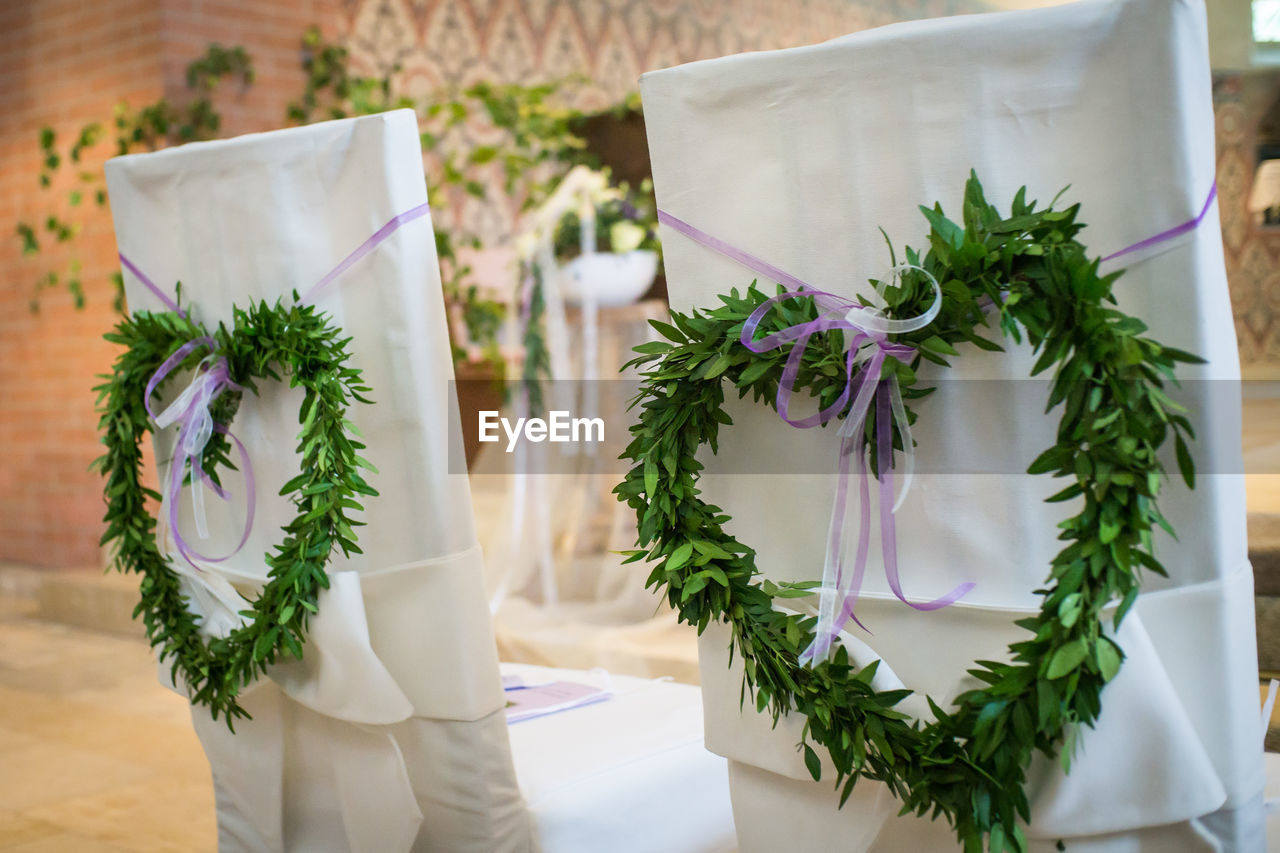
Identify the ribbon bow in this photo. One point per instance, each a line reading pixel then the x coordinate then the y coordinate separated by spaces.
pixel 867 350
pixel 196 426
pixel 868 347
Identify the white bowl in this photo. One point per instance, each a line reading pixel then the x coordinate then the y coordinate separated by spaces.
pixel 613 278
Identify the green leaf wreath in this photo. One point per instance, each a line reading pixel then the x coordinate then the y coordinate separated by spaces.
pixel 969 764
pixel 262 343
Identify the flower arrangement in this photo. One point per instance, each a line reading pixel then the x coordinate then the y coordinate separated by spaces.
pixel 626 220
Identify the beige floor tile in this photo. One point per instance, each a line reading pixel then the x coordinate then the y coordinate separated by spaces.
pixel 107 732
pixel 95 755
pixel 12 606
pixel 18 828
pixel 153 817
pixel 11 740
pixel 31 644
pixel 64 842
pixel 47 772
pixel 140 698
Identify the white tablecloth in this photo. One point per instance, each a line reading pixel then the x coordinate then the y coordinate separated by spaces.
pixel 627 775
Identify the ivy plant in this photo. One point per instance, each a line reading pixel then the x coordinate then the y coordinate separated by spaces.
pixel 144 128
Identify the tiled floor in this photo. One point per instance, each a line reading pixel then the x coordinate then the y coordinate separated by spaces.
pixel 95 755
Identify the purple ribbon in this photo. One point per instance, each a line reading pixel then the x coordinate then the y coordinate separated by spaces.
pixel 864 362
pixel 834 314
pixel 365 248
pixel 151 285
pixel 868 347
pixel 213 377
pixel 195 426
pixel 1172 233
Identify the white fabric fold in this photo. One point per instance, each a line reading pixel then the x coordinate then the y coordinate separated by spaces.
pixel 339 675
pixel 1176 781
pixel 373 805
pixel 342 680
pixel 1205 640
pixel 379 809
pixel 345 710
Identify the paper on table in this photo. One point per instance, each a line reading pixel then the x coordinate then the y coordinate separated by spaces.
pixel 525 703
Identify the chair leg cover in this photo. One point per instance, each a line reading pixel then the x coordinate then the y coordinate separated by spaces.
pixel 759 796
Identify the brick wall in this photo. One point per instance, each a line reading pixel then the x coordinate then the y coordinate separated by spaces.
pixel 270 30
pixel 64 63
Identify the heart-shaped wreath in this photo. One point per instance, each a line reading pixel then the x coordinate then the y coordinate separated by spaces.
pixel 968 764
pixel 262 343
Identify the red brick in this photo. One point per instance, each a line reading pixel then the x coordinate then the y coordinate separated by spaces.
pixel 64 63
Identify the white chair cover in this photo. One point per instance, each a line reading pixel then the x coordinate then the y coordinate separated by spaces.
pixel 797 156
pixel 391 728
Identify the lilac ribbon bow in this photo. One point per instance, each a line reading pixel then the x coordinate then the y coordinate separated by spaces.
pixel 196 426
pixel 868 347
pixel 212 378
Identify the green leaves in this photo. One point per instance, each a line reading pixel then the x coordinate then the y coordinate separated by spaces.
pixel 812 762
pixel 679 557
pixel 950 233
pixel 1109 657
pixel 938 346
pixel 650 477
pixel 262 342
pixel 968 765
pixel 1066 659
pixel 1185 466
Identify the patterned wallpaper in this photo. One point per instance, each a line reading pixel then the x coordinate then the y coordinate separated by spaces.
pixel 1241 101
pixel 444 43
pixel 462 41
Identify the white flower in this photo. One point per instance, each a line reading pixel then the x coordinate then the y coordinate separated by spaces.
pixel 626 236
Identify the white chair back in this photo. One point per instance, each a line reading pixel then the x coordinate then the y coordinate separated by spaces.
pixel 391 728
pixel 797 156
